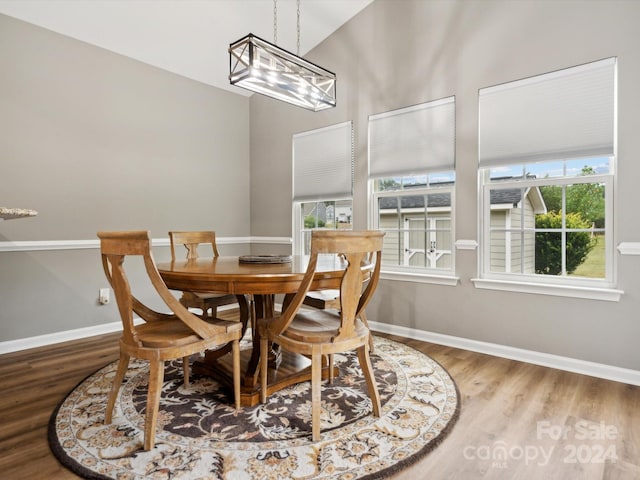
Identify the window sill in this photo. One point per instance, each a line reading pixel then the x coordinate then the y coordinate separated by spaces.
pixel 447 280
pixel 606 294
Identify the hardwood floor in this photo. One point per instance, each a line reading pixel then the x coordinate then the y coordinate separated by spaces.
pixel 517 421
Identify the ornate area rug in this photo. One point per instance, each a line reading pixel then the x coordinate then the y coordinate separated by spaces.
pixel 203 437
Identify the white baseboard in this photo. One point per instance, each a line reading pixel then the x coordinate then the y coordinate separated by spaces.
pixel 608 372
pixel 583 367
pixel 76 334
pixel 58 337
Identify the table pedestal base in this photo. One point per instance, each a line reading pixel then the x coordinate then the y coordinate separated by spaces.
pixel 292 369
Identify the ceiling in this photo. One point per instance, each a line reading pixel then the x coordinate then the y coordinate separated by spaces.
pixel 186 37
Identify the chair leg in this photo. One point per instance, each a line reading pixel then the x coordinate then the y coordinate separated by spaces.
pixel 123 365
pixel 331 376
pixel 316 400
pixel 156 376
pixel 363 317
pixel 235 346
pixel 185 371
pixel 264 363
pixel 367 369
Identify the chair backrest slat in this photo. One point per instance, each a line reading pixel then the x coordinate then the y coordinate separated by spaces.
pixel 191 241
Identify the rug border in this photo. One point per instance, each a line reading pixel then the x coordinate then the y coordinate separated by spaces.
pixel 54 443
pixel 433 444
pixel 84 472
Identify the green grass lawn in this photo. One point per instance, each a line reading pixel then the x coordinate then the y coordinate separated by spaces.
pixel 593 266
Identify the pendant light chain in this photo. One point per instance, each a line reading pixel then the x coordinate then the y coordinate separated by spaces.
pixel 275 22
pixel 298 23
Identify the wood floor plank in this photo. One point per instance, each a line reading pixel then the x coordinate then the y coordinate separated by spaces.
pixel 519 406
pixel 510 415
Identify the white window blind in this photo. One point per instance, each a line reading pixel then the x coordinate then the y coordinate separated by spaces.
pixel 323 163
pixel 569 113
pixel 413 140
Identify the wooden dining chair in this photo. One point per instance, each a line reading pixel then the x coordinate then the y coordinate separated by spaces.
pixel 162 336
pixel 318 333
pixel 191 242
pixel 330 298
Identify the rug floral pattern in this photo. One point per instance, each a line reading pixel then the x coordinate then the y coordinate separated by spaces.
pixel 203 437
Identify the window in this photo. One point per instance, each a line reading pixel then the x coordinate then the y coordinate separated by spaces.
pixel 547 169
pixel 412 178
pixel 416 214
pixel 322 182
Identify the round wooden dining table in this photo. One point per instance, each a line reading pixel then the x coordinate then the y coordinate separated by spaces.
pixel 255 286
pixel 230 275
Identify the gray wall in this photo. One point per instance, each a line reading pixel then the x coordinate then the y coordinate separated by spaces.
pixel 96 141
pixel 400 52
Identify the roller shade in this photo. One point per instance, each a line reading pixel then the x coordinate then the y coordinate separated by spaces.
pixel 413 140
pixel 323 163
pixel 569 113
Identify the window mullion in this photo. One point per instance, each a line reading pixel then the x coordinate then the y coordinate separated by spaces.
pixel 563 234
pixel 427 233
pixel 401 230
pixel 522 226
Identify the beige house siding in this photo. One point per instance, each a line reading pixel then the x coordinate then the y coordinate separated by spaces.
pixel 393 242
pixel 529 262
pixel 512 247
pixel 498 241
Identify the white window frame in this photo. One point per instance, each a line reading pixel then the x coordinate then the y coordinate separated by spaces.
pixel 569 286
pixel 413 273
pixel 298 223
pixel 551 280
pixel 418 140
pixel 324 172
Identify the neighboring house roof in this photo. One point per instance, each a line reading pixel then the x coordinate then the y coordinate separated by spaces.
pixel 510 196
pixel 416 201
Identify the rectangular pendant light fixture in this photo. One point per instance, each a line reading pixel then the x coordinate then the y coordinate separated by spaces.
pixel 265 68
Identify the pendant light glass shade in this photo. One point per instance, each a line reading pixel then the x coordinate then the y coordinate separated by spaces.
pixel 265 68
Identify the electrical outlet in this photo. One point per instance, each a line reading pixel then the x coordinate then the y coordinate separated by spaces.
pixel 104 295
